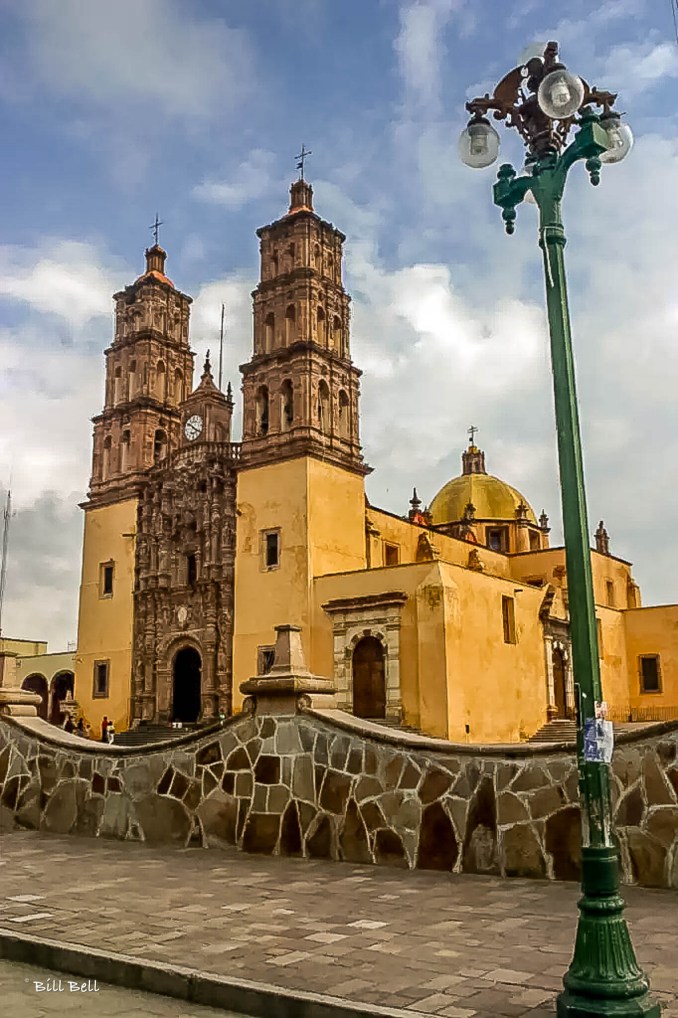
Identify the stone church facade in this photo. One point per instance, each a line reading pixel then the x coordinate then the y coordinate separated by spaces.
pixel 451 618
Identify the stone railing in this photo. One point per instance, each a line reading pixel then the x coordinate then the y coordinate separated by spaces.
pixel 285 778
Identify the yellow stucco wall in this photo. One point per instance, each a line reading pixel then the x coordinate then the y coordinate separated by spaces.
pixel 47 665
pixel 320 511
pixel 105 623
pixel 653 631
pixel 455 668
pixel 612 658
pixel 23 648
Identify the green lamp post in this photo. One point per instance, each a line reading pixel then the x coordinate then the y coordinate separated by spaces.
pixel 543 101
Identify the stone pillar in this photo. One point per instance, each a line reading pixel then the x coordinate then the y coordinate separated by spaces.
pixel 570 709
pixel 289 685
pixel 394 703
pixel 551 709
pixel 14 700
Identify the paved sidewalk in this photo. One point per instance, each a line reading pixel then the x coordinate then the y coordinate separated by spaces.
pixel 432 943
pixel 57 999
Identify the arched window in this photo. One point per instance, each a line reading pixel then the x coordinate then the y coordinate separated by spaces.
pixel 106 459
pixel 291 251
pixel 286 405
pixel 324 406
pixel 117 386
pixel 290 324
pixel 274 263
pixel 316 256
pixel 320 326
pixel 336 334
pixel 159 445
pixel 178 386
pixel 124 451
pixel 330 266
pixel 343 414
pixel 160 376
pixel 132 380
pixel 262 410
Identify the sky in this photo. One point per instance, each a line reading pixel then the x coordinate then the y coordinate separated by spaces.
pixel 109 113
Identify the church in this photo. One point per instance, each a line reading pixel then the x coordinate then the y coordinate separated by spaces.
pixel 451 619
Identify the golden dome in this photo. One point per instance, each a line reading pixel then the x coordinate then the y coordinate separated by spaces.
pixel 492 498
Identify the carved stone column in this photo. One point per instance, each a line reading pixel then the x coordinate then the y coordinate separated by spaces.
pixel 551 709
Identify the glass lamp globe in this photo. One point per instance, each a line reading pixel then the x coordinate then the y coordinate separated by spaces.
pixel 560 94
pixel 619 137
pixel 478 144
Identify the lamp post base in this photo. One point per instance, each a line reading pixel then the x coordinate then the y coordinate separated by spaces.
pixel 604 977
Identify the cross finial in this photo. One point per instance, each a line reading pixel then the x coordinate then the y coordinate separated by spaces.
pixel 300 160
pixel 472 432
pixel 155 227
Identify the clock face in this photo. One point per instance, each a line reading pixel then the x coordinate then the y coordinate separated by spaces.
pixel 193 427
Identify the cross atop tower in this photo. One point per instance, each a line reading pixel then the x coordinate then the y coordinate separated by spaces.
pixel 472 432
pixel 300 160
pixel 155 227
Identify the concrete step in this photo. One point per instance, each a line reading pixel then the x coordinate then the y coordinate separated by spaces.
pixel 148 734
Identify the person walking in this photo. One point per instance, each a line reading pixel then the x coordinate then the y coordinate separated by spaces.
pixel 68 724
pixel 111 732
pixel 104 729
pixel 80 728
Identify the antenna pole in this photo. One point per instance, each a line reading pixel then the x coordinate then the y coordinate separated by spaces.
pixel 5 537
pixel 221 345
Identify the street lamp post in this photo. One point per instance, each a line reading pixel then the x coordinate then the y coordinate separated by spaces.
pixel 543 101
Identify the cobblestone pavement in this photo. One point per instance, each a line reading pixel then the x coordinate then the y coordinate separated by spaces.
pixel 458 946
pixel 22 999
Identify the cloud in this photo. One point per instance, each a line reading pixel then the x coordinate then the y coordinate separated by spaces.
pixel 60 277
pixel 252 179
pixel 148 51
pixel 420 46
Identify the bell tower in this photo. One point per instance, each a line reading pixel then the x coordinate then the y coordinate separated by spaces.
pixel 301 475
pixel 300 388
pixel 149 370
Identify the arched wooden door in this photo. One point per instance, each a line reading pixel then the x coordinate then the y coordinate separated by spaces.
pixel 559 680
pixel 369 679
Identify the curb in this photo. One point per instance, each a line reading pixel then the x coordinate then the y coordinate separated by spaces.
pixel 259 1000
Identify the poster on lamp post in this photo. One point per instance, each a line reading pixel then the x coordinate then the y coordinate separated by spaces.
pixel 598 740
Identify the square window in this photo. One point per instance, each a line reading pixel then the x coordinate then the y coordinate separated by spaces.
pixel 650 679
pixel 265 659
pixel 271 545
pixel 508 619
pixel 497 539
pixel 106 570
pixel 391 554
pixel 100 679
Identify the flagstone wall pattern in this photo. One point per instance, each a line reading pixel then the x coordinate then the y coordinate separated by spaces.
pixel 323 787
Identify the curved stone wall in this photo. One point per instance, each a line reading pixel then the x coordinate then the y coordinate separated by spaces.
pixel 324 785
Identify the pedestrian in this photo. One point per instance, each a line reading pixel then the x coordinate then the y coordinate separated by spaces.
pixel 104 729
pixel 68 724
pixel 80 728
pixel 111 732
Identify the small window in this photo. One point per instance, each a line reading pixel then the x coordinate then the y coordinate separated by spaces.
pixel 610 593
pixel 534 540
pixel 106 579
pixel 101 669
pixel 272 549
pixel 508 619
pixel 497 538
pixel 391 554
pixel 191 570
pixel 650 678
pixel 265 658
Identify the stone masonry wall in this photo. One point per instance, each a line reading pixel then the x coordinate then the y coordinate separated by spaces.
pixel 325 785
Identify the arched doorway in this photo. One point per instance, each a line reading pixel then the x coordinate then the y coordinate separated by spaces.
pixel 369 680
pixel 559 682
pixel 62 685
pixel 38 684
pixel 186 685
